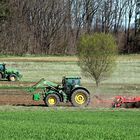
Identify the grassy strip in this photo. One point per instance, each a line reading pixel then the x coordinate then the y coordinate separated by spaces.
pixel 37 58
pixel 13 87
pixel 40 59
pixel 57 124
pixel 125 72
pixel 125 79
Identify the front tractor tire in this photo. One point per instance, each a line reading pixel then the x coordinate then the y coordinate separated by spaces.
pixel 52 100
pixel 80 98
pixel 12 78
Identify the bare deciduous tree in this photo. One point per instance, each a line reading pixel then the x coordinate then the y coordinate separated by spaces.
pixel 53 27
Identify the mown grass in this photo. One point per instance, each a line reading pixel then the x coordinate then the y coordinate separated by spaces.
pixel 125 78
pixel 125 72
pixel 75 124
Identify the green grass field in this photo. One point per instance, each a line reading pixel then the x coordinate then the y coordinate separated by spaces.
pixel 68 124
pixel 41 123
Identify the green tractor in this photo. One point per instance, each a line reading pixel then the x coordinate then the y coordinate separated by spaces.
pixel 9 74
pixel 69 91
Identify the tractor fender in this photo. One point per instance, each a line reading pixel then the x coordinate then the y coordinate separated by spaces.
pixel 83 88
pixel 60 96
pixel 12 74
pixel 54 92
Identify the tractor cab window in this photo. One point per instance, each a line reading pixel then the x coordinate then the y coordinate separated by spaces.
pixel 1 68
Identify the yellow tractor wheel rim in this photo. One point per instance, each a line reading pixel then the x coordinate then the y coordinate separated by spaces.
pixel 80 98
pixel 12 78
pixel 52 100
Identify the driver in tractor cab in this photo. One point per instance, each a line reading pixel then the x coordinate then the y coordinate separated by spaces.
pixel 2 67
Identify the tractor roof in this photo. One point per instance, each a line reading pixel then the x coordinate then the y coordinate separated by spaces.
pixel 72 77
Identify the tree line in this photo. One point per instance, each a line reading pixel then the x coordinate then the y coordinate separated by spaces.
pixel 54 26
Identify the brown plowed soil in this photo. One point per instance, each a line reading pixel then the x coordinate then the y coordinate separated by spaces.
pixel 101 101
pixel 22 98
pixel 16 97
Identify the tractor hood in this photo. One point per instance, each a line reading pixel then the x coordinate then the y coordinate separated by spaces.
pixel 13 71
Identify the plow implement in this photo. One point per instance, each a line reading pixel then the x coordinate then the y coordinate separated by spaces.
pixel 119 102
pixel 124 102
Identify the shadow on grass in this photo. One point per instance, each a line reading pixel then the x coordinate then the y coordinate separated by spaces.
pixel 4 80
pixel 42 105
pixel 32 105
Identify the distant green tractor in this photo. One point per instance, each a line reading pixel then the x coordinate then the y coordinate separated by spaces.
pixel 9 74
pixel 70 91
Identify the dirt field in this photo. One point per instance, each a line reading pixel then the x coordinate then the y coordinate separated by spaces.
pixel 16 97
pixel 23 99
pixel 19 97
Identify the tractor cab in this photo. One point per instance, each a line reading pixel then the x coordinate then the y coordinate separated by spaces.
pixel 9 74
pixel 69 83
pixel 2 67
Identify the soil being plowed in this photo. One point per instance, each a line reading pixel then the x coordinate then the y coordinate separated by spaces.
pixel 15 96
pixel 21 97
pixel 101 101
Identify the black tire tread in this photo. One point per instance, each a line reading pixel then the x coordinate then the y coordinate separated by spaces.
pixel 74 94
pixel 47 97
pixel 12 76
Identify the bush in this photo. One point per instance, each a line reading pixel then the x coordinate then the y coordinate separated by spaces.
pixel 97 55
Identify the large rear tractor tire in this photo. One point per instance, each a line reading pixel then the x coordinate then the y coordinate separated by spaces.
pixel 80 98
pixel 12 78
pixel 52 100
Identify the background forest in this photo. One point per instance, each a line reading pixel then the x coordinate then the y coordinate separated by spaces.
pixel 54 26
